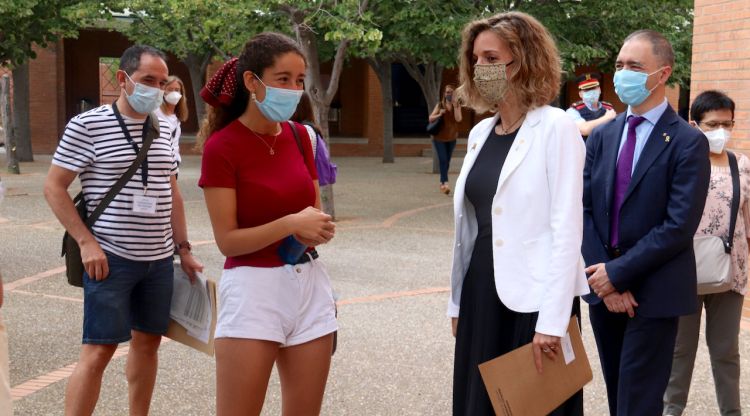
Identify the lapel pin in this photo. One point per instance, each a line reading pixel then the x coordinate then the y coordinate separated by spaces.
pixel 667 139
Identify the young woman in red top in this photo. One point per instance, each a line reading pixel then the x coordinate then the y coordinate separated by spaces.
pixel 261 188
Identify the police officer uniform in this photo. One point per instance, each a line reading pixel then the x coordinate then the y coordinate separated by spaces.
pixel 579 110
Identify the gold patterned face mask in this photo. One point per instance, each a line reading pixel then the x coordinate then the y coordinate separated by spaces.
pixel 491 81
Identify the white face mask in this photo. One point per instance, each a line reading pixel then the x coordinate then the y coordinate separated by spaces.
pixel 717 139
pixel 173 97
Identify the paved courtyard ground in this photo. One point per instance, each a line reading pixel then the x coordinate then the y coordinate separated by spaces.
pixel 389 264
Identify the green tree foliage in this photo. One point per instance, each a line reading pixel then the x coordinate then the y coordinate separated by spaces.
pixel 590 32
pixel 195 31
pixel 24 23
pixel 328 30
pixel 423 37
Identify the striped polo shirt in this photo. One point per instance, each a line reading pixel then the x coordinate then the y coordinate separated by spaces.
pixel 95 147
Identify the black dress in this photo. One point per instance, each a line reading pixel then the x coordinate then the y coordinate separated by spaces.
pixel 486 327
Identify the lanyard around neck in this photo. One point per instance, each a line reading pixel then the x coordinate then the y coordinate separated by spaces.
pixel 144 165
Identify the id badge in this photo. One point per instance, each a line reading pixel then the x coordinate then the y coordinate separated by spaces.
pixel 144 204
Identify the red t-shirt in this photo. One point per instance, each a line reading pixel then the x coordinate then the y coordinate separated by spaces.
pixel 268 186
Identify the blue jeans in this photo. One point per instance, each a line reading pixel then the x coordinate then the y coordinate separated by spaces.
pixel 135 295
pixel 444 152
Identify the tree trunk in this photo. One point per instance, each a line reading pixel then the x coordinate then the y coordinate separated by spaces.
pixel 21 113
pixel 5 115
pixel 320 95
pixel 429 77
pixel 326 192
pixel 197 68
pixel 384 73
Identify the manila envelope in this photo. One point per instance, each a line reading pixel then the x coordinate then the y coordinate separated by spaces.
pixel 178 332
pixel 516 388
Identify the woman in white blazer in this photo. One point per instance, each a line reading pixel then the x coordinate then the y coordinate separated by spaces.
pixel 517 265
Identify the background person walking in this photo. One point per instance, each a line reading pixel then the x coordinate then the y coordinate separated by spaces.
pixel 175 111
pixel 444 142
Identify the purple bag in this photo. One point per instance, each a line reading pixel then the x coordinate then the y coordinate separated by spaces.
pixel 326 169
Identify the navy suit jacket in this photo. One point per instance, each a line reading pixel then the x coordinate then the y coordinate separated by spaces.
pixel 659 216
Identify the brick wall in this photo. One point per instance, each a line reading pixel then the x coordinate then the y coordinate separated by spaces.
pixel 721 58
pixel 44 80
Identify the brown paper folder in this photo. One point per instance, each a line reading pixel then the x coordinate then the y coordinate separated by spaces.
pixel 178 332
pixel 516 388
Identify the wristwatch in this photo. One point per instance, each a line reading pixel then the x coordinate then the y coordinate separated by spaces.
pixel 185 244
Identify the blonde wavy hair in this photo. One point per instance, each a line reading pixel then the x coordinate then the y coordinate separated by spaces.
pixel 537 73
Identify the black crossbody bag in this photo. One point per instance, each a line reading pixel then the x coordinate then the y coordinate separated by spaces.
pixel 70 250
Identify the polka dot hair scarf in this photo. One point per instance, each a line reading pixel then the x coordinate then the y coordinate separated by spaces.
pixel 220 89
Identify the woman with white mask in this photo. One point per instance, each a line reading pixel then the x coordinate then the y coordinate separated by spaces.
pixel 713 113
pixel 174 111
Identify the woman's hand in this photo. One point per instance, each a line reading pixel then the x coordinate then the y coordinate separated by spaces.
pixel 454 326
pixel 544 344
pixel 312 226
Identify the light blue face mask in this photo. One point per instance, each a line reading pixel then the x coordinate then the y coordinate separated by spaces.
pixel 144 99
pixel 279 104
pixel 591 97
pixel 630 86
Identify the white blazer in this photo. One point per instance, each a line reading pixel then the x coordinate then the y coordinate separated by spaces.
pixel 537 219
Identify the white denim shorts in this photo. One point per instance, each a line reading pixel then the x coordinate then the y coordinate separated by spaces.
pixel 291 305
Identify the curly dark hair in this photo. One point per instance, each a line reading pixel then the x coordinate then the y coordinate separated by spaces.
pixel 259 53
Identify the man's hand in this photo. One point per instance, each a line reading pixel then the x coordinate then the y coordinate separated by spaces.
pixel 547 344
pixel 454 326
pixel 94 259
pixel 610 114
pixel 621 303
pixel 190 265
pixel 599 280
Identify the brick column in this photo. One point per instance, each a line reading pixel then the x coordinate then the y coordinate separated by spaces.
pixel 721 58
pixel 374 115
pixel 44 89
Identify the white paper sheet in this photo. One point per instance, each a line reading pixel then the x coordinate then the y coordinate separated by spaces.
pixel 567 348
pixel 191 305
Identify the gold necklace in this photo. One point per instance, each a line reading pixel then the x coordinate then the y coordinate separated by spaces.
pixel 270 147
pixel 510 127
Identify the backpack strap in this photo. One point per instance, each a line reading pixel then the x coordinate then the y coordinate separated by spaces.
pixel 734 169
pixel 293 125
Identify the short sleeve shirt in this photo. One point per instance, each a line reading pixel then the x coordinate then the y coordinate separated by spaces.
pixel 94 146
pixel 268 186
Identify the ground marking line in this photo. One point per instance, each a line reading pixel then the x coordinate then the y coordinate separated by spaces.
pixel 393 295
pixel 31 279
pixel 44 295
pixel 38 383
pixel 43 381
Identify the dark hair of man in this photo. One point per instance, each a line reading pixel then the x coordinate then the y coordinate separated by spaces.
pixel 660 46
pixel 131 58
pixel 710 100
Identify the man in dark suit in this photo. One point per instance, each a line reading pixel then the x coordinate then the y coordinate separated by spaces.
pixel 645 183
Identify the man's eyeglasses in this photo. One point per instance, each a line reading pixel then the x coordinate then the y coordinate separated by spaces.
pixel 713 125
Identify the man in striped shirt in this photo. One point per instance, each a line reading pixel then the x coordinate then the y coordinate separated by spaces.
pixel 127 254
